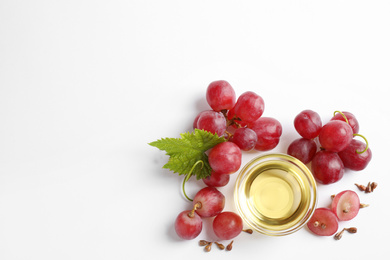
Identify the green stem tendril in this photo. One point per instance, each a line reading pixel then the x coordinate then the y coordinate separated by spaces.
pixel 188 177
pixel 365 139
pixel 342 114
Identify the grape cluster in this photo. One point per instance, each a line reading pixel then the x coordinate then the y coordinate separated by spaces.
pixel 338 148
pixel 241 123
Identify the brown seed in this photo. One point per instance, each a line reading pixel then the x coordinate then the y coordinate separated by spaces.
pixel 220 246
pixel 208 247
pixel 230 246
pixel 351 230
pixel 203 242
pixel 364 205
pixel 373 186
pixel 360 187
pixel 368 188
pixel 249 231
pixel 339 235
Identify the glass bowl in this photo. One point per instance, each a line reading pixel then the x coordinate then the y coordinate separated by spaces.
pixel 275 194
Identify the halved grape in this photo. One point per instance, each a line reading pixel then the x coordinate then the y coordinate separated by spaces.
pixel 303 149
pixel 335 136
pixel 327 167
pixel 227 225
pixel 220 95
pixel 308 124
pixel 346 205
pixel 354 160
pixel 225 158
pixel 188 224
pixel 208 202
pixel 217 179
pixel 323 222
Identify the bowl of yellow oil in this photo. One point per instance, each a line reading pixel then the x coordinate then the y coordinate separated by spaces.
pixel 275 194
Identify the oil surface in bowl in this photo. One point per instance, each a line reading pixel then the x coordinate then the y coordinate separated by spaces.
pixel 276 194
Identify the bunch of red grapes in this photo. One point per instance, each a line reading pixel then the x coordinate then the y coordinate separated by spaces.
pixel 241 123
pixel 338 149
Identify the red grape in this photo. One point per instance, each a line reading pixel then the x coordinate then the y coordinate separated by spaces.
pixel 352 121
pixel 302 149
pixel 188 225
pixel 354 160
pixel 327 167
pixel 225 158
pixel 346 205
pixel 323 222
pixel 212 121
pixel 308 124
pixel 249 106
pixel 220 95
pixel 245 138
pixel 209 202
pixel 217 179
pixel 268 131
pixel 227 225
pixel 335 136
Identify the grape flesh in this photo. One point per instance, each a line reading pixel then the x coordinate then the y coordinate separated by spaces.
pixel 225 158
pixel 217 179
pixel 212 121
pixel 327 167
pixel 208 202
pixel 188 225
pixel 249 106
pixel 354 160
pixel 303 149
pixel 352 121
pixel 323 222
pixel 245 138
pixel 220 95
pixel 335 136
pixel 308 124
pixel 346 205
pixel 227 225
pixel 268 131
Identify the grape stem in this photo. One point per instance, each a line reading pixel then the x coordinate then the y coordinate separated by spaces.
pixel 188 177
pixel 365 139
pixel 342 114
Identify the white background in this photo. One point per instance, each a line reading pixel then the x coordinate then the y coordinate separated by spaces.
pixel 85 85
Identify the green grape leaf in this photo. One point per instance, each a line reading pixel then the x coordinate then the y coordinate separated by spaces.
pixel 186 151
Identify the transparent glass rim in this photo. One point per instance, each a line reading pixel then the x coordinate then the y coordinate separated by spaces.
pixel 238 191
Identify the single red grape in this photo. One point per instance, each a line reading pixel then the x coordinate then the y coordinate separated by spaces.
pixel 249 106
pixel 327 167
pixel 352 121
pixel 346 205
pixel 225 158
pixel 245 138
pixel 335 136
pixel 220 95
pixel 268 131
pixel 212 121
pixel 302 149
pixel 208 202
pixel 323 222
pixel 217 179
pixel 188 224
pixel 227 225
pixel 308 124
pixel 354 160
